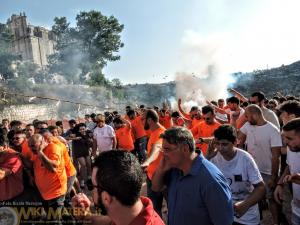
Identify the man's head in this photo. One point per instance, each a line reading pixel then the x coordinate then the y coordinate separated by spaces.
pixel 208 114
pixel 81 128
pixel 233 103
pixel 291 134
pixel 40 125
pixel 36 143
pixel 15 125
pixel 225 138
pixel 118 123
pixel 5 123
pixel 29 130
pixel 289 110
pixel 59 123
pixel 72 123
pixel 112 170
pixel 131 114
pixel 19 137
pixel 257 98
pixel 54 130
pixel 272 104
pixel 87 118
pixel 151 118
pixel 195 113
pixel 127 108
pixel 253 114
pixel 178 144
pixel 100 120
pixel 221 103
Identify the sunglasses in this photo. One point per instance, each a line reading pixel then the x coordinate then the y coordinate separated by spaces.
pixel 17 138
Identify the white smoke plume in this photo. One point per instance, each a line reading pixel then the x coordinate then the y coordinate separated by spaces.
pixel 204 75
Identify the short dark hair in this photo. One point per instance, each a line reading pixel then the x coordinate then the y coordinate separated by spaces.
pixel 226 132
pixel 293 124
pixel 120 169
pixel 117 121
pixel 152 114
pixel 194 108
pixel 15 123
pixel 87 115
pixel 51 128
pixel 233 99
pixel 260 95
pixel 291 107
pixel 72 121
pixel 179 135
pixel 59 123
pixel 207 109
pixel 19 131
pixel 175 114
pixel 130 112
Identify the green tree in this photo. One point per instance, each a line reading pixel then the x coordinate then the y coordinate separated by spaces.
pixel 86 48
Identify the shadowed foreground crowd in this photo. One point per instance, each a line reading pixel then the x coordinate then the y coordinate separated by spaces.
pixel 222 164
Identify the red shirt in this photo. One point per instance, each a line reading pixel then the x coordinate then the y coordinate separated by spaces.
pixel 147 216
pixel 12 185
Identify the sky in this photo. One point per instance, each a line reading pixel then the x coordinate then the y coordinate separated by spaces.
pixel 165 37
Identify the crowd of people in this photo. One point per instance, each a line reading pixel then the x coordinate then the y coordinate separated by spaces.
pixel 224 163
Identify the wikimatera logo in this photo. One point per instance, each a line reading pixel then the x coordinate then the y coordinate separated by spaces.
pixel 34 215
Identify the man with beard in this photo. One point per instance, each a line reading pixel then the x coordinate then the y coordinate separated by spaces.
pixel 154 156
pixel 112 170
pixel 197 191
pixel 264 144
pixel 291 174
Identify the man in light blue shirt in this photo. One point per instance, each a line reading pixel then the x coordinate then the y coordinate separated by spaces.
pixel 197 191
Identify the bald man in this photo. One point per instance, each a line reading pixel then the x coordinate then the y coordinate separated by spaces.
pixel 49 172
pixel 264 144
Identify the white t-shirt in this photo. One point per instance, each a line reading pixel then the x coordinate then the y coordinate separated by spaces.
pixel 270 116
pixel 232 113
pixel 260 140
pixel 293 160
pixel 104 137
pixel 241 173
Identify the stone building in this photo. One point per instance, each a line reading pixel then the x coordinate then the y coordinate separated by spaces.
pixel 31 42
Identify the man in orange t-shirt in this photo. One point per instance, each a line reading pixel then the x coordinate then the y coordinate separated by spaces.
pixel 123 134
pixel 154 156
pixel 193 117
pixel 165 118
pixel 140 135
pixel 69 166
pixel 49 172
pixel 206 128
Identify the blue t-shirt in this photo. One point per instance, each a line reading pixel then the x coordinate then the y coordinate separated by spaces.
pixel 200 197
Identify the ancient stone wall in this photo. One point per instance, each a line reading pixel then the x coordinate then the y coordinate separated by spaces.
pixel 29 112
pixel 31 42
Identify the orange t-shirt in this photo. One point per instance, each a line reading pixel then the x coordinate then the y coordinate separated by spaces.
pixel 195 122
pixel 124 138
pixel 166 121
pixel 154 139
pixel 204 130
pixel 138 127
pixel 70 168
pixel 50 184
pixel 26 151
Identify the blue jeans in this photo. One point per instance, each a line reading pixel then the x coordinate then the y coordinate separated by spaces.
pixel 295 219
pixel 156 198
pixel 140 146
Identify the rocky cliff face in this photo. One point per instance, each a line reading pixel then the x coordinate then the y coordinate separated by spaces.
pixel 285 79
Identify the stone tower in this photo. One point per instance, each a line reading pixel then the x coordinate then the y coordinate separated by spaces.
pixel 31 42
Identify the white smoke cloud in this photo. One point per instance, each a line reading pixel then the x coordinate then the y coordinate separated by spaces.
pixel 204 74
